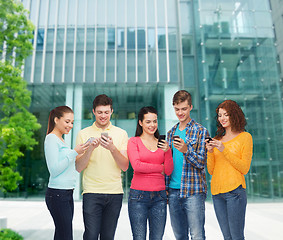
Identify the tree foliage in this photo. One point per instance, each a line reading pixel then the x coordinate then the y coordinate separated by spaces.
pixel 17 124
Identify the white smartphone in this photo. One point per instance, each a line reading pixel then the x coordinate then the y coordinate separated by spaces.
pixel 90 140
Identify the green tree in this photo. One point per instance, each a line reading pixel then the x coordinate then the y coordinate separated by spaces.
pixel 17 124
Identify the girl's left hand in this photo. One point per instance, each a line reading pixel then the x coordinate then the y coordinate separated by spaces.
pixel 163 145
pixel 214 144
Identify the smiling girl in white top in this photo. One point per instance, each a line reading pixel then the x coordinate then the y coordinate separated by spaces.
pixel 60 161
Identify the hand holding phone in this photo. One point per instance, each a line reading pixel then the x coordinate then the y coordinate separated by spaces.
pixel 160 138
pixel 91 139
pixel 104 135
pixel 209 139
pixel 176 138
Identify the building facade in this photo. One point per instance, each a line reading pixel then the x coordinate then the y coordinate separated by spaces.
pixel 140 52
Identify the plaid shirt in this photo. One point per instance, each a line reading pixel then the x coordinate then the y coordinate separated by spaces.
pixel 193 179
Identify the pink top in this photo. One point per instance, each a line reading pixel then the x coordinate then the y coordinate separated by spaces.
pixel 148 166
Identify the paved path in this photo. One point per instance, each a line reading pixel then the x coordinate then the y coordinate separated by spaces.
pixel 31 219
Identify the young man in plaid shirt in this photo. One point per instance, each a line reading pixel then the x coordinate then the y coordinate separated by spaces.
pixel 187 184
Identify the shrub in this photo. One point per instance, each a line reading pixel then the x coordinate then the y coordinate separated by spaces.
pixel 8 234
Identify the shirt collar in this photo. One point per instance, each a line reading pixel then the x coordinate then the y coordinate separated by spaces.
pixel 100 129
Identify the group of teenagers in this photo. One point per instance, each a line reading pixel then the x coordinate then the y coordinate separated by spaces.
pixel 170 171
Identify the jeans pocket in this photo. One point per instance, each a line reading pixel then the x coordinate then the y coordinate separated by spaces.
pixel 135 196
pixel 163 195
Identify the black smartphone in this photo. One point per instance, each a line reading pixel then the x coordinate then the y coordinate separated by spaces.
pixel 176 138
pixel 209 139
pixel 161 137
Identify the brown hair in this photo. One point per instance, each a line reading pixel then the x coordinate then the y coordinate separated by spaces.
pixel 56 112
pixel 182 96
pixel 102 100
pixel 236 117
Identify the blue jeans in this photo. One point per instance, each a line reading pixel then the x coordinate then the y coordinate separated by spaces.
pixel 187 215
pixel 230 210
pixel 146 206
pixel 60 204
pixel 101 213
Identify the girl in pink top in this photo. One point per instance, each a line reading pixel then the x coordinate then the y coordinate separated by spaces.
pixel 151 160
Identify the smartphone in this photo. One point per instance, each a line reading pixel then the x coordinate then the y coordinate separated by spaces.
pixel 176 138
pixel 105 134
pixel 209 139
pixel 90 140
pixel 161 137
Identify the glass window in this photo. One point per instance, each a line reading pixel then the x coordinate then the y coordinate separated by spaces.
pixel 101 13
pixel 90 39
pixel 121 16
pixel 131 66
pixel 140 13
pixel 186 23
pixel 33 11
pixel 161 38
pixel 160 13
pixel 69 66
pixel 58 67
pixel 60 39
pixel 52 13
pixel 81 12
pixel 171 13
pixel 151 38
pixel 99 66
pixel 100 38
pixel 89 73
pixel 131 13
pixel 27 70
pixel 72 12
pixel 189 71
pixel 173 65
pixel 110 67
pixel 152 66
pixel 62 13
pixel 172 38
pixel 38 67
pixel 131 38
pixel 150 13
pixel 80 39
pixel 70 39
pixel 91 12
pixel 121 38
pixel 40 39
pixel 141 66
pixel 120 66
pixel 42 13
pixel 111 21
pixel 50 39
pixel 111 38
pixel 48 67
pixel 141 38
pixel 79 68
pixel 162 66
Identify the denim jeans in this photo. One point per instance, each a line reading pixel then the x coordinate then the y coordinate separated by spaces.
pixel 60 204
pixel 148 206
pixel 230 210
pixel 101 213
pixel 187 215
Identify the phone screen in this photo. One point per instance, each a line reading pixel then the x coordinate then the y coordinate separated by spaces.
pixel 209 139
pixel 105 134
pixel 161 137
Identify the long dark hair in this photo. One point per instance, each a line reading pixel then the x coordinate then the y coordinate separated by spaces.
pixel 236 117
pixel 56 112
pixel 142 112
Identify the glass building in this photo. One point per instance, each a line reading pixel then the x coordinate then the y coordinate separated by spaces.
pixel 140 52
